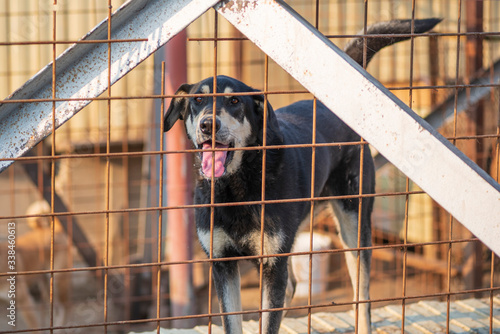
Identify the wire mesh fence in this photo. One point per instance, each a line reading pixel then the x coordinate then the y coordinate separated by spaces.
pixel 97 221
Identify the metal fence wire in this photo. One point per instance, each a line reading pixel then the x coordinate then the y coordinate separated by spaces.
pixel 97 219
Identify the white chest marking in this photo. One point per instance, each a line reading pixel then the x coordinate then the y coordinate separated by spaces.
pixel 221 241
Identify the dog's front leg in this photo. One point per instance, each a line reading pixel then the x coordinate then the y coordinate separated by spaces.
pixel 227 283
pixel 274 290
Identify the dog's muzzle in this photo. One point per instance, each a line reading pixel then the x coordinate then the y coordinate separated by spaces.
pixel 207 125
pixel 212 162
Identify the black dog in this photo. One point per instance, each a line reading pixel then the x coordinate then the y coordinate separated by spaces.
pixel 238 178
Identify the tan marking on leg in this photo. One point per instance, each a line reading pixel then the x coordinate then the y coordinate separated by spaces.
pixel 232 302
pixel 272 245
pixel 347 224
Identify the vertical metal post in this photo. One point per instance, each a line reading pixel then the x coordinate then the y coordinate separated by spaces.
pixel 433 69
pixel 438 214
pixel 53 171
pixel 473 64
pixel 238 53
pixel 178 166
pixel 475 126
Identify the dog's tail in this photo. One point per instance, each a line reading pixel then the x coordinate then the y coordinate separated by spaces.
pixel 355 46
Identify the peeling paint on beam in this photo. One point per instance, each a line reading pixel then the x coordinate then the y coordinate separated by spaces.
pixel 406 140
pixel 82 70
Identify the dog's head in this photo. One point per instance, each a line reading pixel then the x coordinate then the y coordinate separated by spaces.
pixel 238 122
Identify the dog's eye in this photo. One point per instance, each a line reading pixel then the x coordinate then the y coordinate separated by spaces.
pixel 234 100
pixel 198 99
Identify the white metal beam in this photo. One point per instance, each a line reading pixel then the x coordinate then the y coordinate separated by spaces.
pixel 82 70
pixel 406 140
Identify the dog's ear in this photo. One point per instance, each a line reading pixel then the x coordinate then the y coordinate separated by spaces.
pixel 273 134
pixel 177 108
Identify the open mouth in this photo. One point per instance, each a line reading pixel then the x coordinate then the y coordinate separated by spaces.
pixel 215 161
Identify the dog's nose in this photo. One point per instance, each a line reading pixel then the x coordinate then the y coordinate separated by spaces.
pixel 206 125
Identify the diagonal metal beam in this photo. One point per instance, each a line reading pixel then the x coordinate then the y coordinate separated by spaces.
pixel 82 70
pixel 364 104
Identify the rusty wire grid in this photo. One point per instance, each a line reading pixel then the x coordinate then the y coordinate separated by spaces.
pixel 98 250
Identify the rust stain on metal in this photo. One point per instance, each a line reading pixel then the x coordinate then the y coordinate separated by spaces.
pixel 238 6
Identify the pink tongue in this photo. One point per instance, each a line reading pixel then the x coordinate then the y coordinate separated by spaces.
pixel 220 159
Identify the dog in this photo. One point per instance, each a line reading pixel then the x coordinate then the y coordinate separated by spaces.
pixel 227 162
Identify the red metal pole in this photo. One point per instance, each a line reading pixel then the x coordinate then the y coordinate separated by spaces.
pixel 472 269
pixel 178 166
